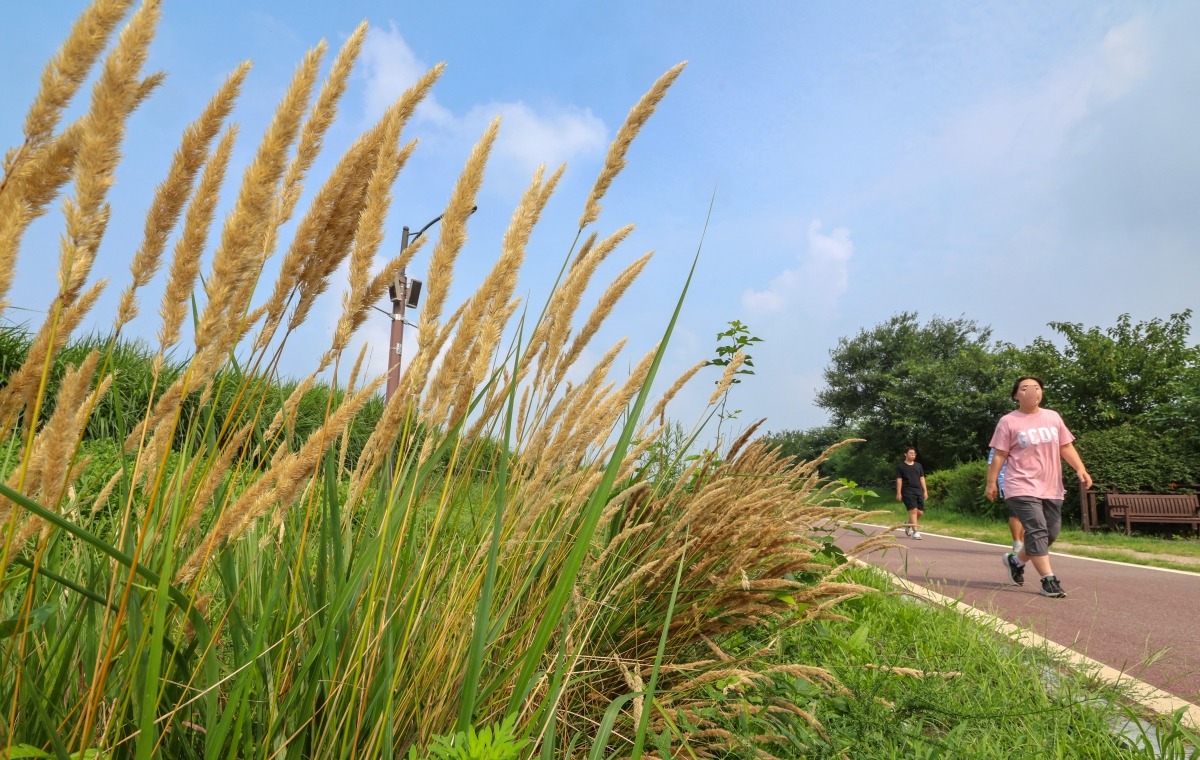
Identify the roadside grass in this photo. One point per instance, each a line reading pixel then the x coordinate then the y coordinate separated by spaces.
pixel 924 681
pixel 1179 552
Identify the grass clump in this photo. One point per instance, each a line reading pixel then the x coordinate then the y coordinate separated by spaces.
pixel 203 559
pixel 922 681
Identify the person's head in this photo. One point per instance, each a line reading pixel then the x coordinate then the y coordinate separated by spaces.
pixel 910 454
pixel 1027 391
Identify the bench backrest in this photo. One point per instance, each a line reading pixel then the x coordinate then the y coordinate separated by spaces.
pixel 1166 504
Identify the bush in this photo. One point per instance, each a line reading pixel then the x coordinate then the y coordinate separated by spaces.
pixel 961 489
pixel 1128 458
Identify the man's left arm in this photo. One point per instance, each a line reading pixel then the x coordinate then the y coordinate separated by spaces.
pixel 924 488
pixel 1072 458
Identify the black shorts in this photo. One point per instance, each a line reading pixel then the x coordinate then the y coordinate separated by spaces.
pixel 913 501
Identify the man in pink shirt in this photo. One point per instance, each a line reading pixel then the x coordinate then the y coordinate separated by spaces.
pixel 1034 442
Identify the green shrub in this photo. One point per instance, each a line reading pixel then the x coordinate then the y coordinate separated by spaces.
pixel 1128 458
pixel 961 489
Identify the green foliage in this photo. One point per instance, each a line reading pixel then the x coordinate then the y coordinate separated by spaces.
pixel 14 347
pixel 729 343
pixel 737 338
pixel 666 458
pixel 939 386
pixel 854 462
pixel 961 489
pixel 1131 458
pixel 923 681
pixel 499 742
pixel 1128 373
pixel 134 390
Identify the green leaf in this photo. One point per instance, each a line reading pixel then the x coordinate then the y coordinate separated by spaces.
pixel 34 620
pixel 858 640
pixel 25 750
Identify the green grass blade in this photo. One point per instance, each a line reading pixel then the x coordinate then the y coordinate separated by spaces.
pixel 480 636
pixel 591 518
pixel 640 739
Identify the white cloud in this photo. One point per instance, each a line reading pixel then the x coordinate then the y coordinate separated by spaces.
pixel 1023 130
pixel 528 137
pixel 552 138
pixel 819 281
pixel 391 67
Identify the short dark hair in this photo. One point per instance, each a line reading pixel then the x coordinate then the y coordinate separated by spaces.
pixel 1022 379
pixel 907 449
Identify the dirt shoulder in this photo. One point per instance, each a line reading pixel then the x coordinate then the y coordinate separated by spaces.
pixel 1108 552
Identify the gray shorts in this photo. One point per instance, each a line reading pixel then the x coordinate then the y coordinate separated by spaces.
pixel 1041 518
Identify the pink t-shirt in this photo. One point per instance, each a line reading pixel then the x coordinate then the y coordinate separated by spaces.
pixel 1033 442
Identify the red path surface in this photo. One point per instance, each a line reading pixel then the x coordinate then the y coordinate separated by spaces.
pixel 1142 621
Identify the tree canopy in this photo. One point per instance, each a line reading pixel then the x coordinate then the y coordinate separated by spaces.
pixel 939 386
pixel 1128 373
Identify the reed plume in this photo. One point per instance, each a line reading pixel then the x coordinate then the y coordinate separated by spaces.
pixel 563 305
pixel 24 385
pixel 279 486
pixel 65 73
pixel 661 405
pixel 565 302
pixel 441 266
pixel 173 192
pixel 237 261
pixel 604 307
pixel 185 263
pixel 114 97
pixel 288 410
pixel 614 162
pixel 215 472
pixel 43 473
pixel 335 241
pixel 727 377
pixel 292 269
pixel 313 133
pixel 488 307
pixel 337 193
pixel 34 183
pixel 576 406
pixel 367 238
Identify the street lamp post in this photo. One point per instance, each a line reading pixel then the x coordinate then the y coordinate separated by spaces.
pixel 398 291
pixel 404 293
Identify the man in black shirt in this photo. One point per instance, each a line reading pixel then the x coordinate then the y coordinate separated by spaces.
pixel 911 490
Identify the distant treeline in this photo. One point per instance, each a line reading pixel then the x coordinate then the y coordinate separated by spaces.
pixel 1130 392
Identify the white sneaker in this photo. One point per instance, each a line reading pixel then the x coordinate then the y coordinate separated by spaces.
pixel 917 535
pixel 908 531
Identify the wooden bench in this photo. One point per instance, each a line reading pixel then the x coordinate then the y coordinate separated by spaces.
pixel 1154 508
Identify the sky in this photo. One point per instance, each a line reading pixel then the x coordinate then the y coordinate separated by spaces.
pixel 1014 163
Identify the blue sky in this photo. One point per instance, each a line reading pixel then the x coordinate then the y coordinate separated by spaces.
pixel 1015 163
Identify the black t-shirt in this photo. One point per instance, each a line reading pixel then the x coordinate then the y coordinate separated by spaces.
pixel 911 474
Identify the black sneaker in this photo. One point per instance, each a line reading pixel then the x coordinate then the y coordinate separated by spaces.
pixel 1051 587
pixel 1015 571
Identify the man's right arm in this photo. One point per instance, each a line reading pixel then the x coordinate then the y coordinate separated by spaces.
pixel 998 460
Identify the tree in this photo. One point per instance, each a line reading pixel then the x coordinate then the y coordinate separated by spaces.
pixel 1143 374
pixel 940 387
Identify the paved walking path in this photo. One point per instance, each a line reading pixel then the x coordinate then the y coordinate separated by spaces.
pixel 1142 621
